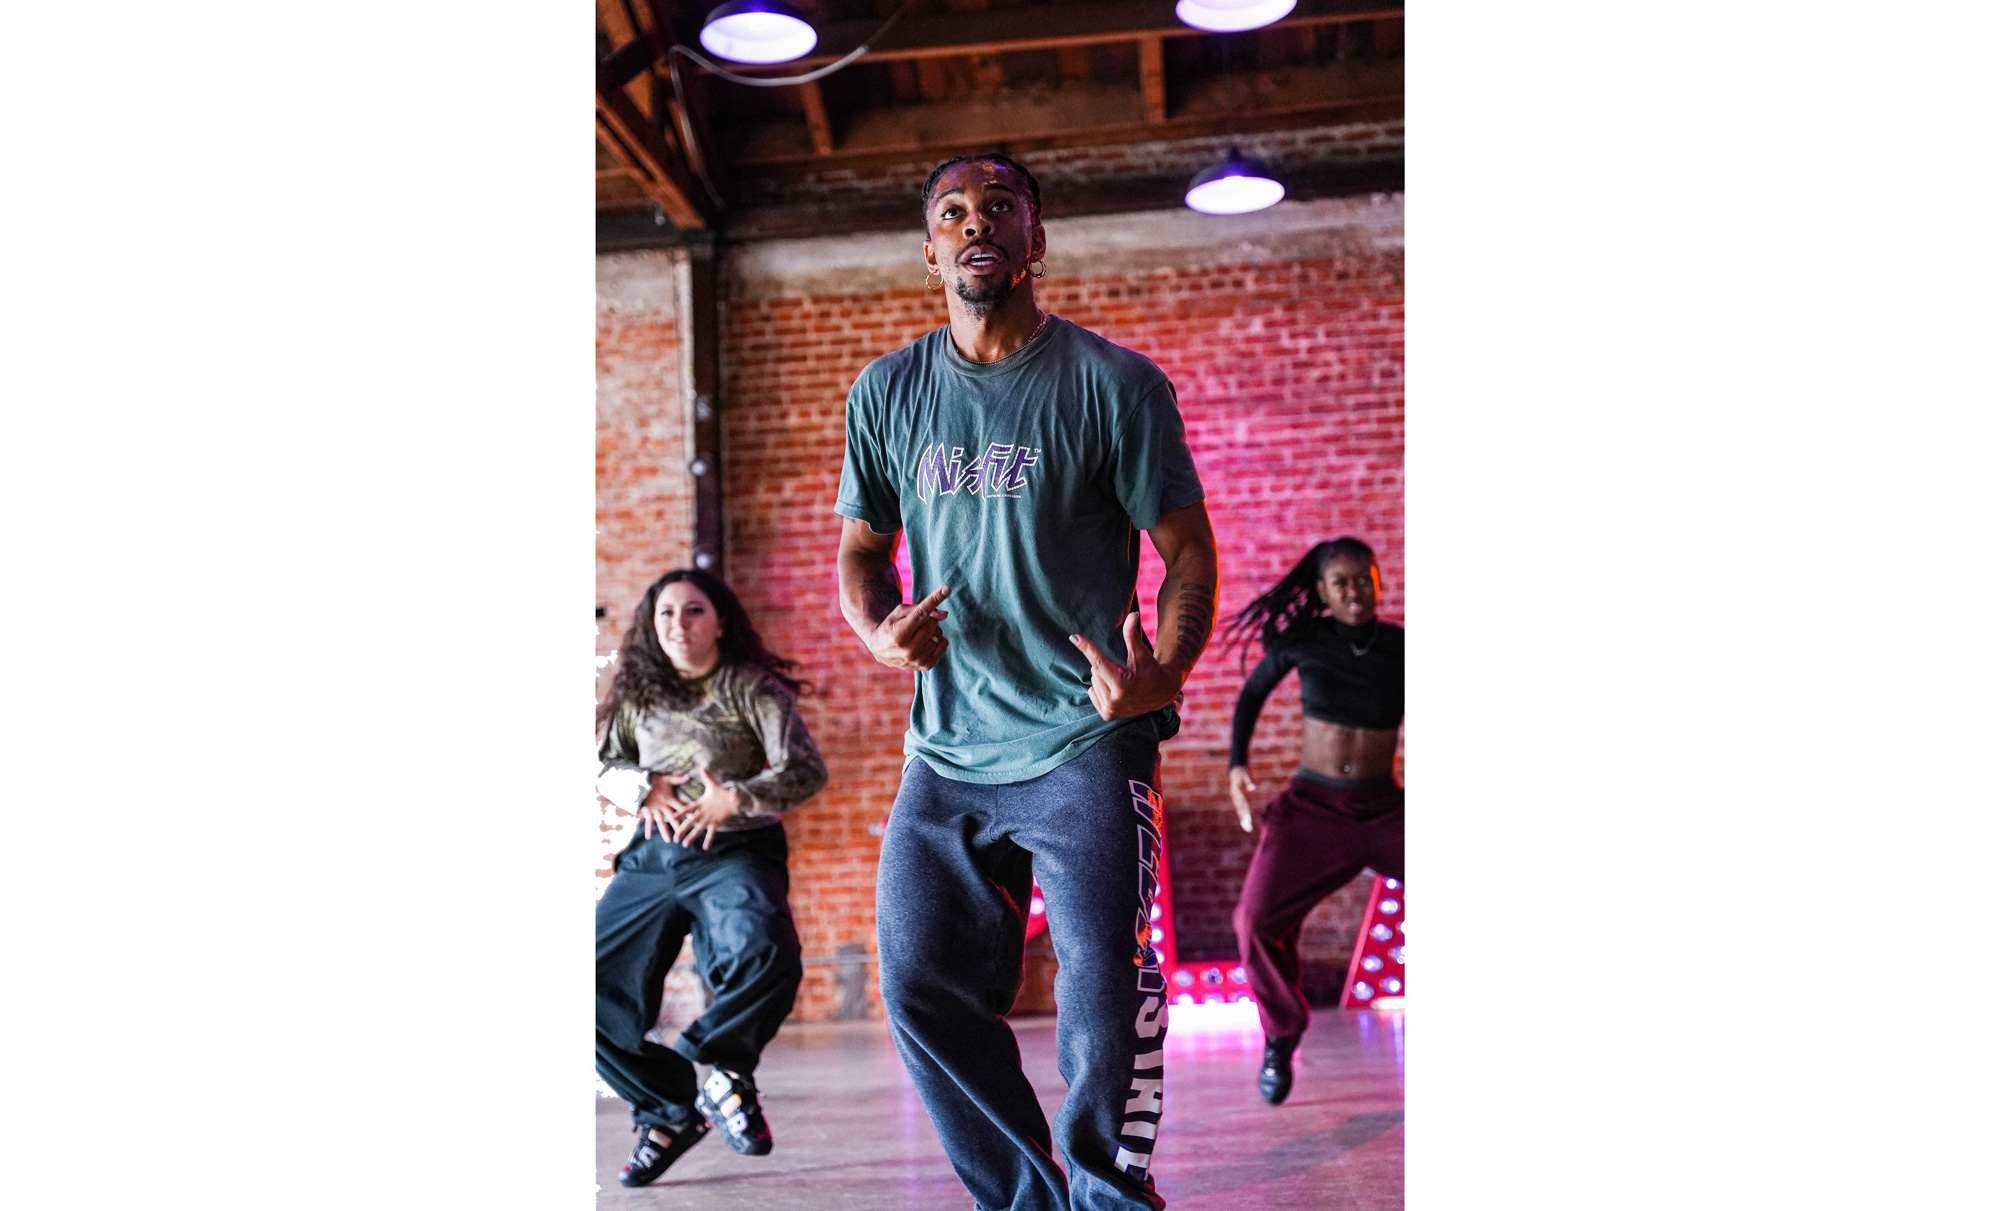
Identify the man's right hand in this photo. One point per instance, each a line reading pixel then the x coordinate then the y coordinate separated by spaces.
pixel 1240 782
pixel 910 637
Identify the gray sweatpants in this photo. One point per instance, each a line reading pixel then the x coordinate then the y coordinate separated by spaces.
pixel 951 911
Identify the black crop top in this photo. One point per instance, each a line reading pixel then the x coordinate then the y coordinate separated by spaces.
pixel 1336 685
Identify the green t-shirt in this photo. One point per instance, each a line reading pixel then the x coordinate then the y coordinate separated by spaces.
pixel 1023 484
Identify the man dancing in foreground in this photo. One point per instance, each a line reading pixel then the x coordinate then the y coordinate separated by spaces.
pixel 1022 455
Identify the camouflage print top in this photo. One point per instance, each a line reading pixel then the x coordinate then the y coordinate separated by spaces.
pixel 746 730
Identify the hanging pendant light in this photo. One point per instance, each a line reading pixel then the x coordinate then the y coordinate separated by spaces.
pixel 1230 16
pixel 1236 185
pixel 758 31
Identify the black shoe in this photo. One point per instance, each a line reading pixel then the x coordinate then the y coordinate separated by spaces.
pixel 651 1157
pixel 730 1102
pixel 1274 1080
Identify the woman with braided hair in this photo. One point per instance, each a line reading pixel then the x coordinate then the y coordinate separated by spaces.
pixel 701 738
pixel 1342 810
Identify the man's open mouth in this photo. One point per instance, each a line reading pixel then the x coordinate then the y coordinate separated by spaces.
pixel 979 258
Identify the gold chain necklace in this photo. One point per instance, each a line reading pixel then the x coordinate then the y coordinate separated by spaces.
pixel 1046 315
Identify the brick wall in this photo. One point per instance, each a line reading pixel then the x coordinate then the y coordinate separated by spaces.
pixel 645 498
pixel 1289 365
pixel 788 363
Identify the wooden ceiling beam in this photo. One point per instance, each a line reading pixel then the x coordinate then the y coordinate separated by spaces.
pixel 629 169
pixel 1084 113
pixel 621 65
pixel 931 79
pixel 683 99
pixel 612 16
pixel 817 122
pixel 1287 90
pixel 1153 78
pixel 620 187
pixel 988 73
pixel 690 109
pixel 1004 30
pixel 617 23
pixel 660 169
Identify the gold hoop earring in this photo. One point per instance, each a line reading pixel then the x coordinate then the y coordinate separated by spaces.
pixel 930 285
pixel 1038 274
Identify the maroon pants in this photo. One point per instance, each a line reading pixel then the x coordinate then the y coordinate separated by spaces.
pixel 1316 837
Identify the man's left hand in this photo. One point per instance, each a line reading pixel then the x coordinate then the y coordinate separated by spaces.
pixel 1120 691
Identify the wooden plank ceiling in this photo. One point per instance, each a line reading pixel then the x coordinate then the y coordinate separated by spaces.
pixel 694 152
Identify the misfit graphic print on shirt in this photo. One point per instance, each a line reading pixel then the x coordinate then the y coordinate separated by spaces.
pixel 1000 470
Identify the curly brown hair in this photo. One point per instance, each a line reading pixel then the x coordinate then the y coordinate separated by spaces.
pixel 646 678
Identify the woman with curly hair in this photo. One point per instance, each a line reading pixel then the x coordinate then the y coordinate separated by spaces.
pixel 1342 810
pixel 701 738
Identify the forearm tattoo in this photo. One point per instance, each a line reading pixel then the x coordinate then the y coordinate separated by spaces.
pixel 1194 619
pixel 881 593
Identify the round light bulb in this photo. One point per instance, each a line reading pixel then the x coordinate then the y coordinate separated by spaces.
pixel 1229 16
pixel 757 31
pixel 1233 185
pixel 1235 195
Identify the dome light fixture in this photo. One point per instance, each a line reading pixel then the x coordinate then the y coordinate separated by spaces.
pixel 758 31
pixel 1234 186
pixel 1232 16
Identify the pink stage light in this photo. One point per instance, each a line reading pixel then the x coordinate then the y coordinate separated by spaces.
pixel 1375 974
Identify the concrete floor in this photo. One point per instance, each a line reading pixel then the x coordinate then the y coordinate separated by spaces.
pixel 851 1135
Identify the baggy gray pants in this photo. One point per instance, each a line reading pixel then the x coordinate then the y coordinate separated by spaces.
pixel 951 912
